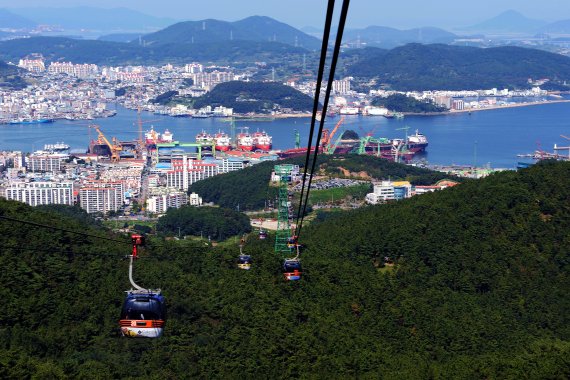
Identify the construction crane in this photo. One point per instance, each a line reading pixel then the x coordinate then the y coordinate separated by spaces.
pixel 115 147
pixel 327 137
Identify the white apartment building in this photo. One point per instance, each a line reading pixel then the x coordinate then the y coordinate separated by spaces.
pixel 185 172
pixel 208 80
pixel 101 197
pixel 195 200
pixel 383 192
pixel 341 87
pixel 45 163
pixel 77 70
pixel 160 203
pixel 193 68
pixel 33 65
pixel 226 166
pixel 40 193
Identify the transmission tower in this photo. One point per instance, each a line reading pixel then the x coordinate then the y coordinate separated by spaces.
pixel 283 224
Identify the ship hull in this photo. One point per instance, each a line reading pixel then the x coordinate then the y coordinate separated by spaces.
pixel 265 148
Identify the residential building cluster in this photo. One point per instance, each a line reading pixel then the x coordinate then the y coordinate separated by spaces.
pixel 137 87
pixel 77 70
pixel 388 191
pixel 53 176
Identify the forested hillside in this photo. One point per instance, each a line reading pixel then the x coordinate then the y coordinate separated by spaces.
pixel 446 67
pixel 478 289
pixel 117 53
pixel 403 103
pixel 10 77
pixel 253 182
pixel 259 97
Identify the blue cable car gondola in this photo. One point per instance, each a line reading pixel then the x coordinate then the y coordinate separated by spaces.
pixel 244 262
pixel 144 311
pixel 292 242
pixel 143 314
pixel 292 269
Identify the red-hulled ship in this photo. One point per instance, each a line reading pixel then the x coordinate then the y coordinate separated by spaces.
pixel 417 142
pixel 152 138
pixel 262 141
pixel 244 141
pixel 205 139
pixel 222 141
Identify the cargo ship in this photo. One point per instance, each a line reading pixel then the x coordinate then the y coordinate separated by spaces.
pixel 294 152
pixel 262 141
pixel 25 120
pixel 244 141
pixel 222 141
pixel 58 147
pixel 152 138
pixel 205 139
pixel 417 142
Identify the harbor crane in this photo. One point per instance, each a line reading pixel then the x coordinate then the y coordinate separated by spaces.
pixel 115 147
pixel 328 137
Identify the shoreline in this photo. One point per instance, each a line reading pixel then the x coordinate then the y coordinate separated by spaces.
pixel 450 112
pixel 489 108
pixel 510 105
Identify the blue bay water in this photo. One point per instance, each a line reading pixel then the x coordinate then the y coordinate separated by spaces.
pixel 493 136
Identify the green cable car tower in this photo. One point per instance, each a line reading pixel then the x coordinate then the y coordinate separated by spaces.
pixel 283 224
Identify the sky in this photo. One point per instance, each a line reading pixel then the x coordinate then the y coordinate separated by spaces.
pixel 300 13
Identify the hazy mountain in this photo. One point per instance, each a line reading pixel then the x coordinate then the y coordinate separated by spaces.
pixel 120 37
pixel 447 67
pixel 94 18
pixel 385 37
pixel 10 20
pixel 558 27
pixel 508 22
pixel 255 28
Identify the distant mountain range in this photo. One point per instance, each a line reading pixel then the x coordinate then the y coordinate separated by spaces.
pixel 76 18
pixel 10 20
pixel 254 28
pixel 385 37
pixel 446 67
pixel 508 22
pixel 558 27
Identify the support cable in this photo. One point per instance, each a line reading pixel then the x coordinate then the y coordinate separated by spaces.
pixel 324 48
pixel 338 42
pixel 61 229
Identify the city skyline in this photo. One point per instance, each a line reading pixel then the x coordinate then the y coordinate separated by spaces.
pixel 408 14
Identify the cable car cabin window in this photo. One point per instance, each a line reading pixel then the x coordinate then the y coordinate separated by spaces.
pixel 290 266
pixel 244 260
pixel 143 309
pixel 143 315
